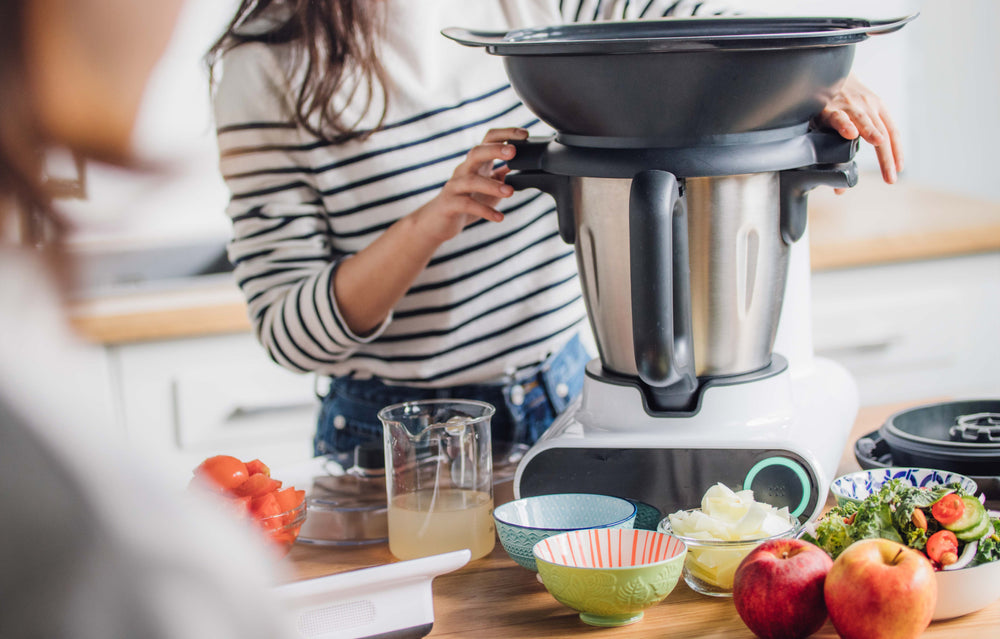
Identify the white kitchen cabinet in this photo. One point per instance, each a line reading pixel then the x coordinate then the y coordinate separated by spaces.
pixel 182 400
pixel 913 330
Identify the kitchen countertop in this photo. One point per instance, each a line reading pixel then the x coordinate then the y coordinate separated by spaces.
pixel 494 597
pixel 873 223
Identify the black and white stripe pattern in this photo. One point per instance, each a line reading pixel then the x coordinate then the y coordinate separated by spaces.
pixel 496 298
pixel 592 10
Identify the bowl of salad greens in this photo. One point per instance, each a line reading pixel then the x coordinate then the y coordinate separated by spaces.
pixel 857 486
pixel 947 523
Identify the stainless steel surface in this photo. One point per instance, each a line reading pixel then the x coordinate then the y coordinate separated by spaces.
pixel 602 255
pixel 738 269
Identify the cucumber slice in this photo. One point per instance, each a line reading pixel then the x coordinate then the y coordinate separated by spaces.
pixel 974 521
pixel 976 532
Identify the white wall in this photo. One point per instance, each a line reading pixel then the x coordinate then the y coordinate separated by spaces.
pixel 174 131
pixel 940 78
pixel 953 93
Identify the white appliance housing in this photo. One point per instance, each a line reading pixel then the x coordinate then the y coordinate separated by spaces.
pixel 780 433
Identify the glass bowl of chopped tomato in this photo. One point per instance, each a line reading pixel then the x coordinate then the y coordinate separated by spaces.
pixel 283 529
pixel 253 494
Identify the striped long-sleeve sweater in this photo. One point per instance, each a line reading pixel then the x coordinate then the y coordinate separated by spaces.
pixel 496 298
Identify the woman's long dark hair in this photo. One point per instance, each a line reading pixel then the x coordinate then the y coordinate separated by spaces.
pixel 20 134
pixel 22 141
pixel 335 40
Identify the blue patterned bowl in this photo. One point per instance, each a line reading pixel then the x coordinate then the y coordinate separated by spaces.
pixel 610 576
pixel 855 487
pixel 522 523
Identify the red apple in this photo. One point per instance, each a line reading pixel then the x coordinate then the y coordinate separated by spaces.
pixel 778 589
pixel 880 588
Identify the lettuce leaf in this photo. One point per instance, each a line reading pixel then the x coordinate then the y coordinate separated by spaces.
pixel 887 514
pixel 989 547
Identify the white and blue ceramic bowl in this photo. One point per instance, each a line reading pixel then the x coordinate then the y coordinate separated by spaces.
pixel 855 487
pixel 522 523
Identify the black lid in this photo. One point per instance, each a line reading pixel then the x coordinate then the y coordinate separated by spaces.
pixel 677 34
pixel 369 456
pixel 957 436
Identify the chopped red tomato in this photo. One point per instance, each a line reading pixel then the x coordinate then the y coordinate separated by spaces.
pixel 942 547
pixel 948 509
pixel 256 466
pixel 256 485
pixel 265 509
pixel 223 471
pixel 289 498
pixel 254 494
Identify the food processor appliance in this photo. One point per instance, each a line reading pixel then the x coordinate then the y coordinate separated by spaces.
pixel 680 165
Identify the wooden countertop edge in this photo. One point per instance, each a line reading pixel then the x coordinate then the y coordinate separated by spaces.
pixel 903 248
pixel 143 325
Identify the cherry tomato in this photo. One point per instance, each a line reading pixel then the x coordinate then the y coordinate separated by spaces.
pixel 223 471
pixel 948 509
pixel 942 543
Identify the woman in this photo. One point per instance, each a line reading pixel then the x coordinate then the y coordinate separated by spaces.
pixel 374 237
pixel 92 546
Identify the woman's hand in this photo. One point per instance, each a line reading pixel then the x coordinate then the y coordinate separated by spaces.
pixel 474 189
pixel 369 284
pixel 855 111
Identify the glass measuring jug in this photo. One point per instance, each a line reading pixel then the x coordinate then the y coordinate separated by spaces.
pixel 439 472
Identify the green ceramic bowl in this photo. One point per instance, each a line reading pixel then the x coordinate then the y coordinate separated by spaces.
pixel 610 575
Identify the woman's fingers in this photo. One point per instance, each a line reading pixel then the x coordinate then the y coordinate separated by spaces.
pixel 895 139
pixel 857 112
pixel 839 121
pixel 502 135
pixel 472 206
pixel 486 155
pixel 473 183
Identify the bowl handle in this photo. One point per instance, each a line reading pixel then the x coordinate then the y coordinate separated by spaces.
pixel 881 27
pixel 472 38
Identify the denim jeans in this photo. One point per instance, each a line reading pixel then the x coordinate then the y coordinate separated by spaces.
pixel 525 406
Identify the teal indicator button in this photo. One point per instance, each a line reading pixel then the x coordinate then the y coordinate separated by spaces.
pixel 782 472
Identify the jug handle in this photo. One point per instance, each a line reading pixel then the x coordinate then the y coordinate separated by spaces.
pixel 795 185
pixel 558 186
pixel 661 289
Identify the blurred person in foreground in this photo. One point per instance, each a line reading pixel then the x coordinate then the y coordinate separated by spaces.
pixel 92 547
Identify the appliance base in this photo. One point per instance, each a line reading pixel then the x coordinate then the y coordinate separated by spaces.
pixel 781 436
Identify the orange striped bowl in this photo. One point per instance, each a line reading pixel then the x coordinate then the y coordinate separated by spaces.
pixel 610 575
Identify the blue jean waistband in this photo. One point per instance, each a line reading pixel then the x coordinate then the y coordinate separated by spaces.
pixel 571 356
pixel 526 403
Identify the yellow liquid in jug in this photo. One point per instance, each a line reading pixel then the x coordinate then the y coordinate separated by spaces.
pixel 460 519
